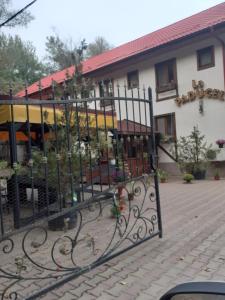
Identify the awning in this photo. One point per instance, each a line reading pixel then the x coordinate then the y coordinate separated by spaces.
pixel 20 136
pixel 107 120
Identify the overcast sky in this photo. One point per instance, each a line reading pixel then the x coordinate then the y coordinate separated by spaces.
pixel 119 21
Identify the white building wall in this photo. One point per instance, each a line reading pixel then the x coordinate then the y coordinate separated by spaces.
pixel 211 123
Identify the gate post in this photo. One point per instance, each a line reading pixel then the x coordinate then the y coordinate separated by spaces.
pixel 153 161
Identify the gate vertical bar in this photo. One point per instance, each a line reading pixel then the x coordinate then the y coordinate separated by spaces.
pixel 153 157
pixel 13 156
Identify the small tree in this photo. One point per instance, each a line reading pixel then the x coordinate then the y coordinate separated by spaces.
pixel 18 63
pixel 97 47
pixel 74 151
pixel 192 152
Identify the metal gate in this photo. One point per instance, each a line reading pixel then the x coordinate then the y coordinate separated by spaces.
pixel 78 187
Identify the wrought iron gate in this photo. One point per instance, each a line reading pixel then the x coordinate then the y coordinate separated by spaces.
pixel 80 188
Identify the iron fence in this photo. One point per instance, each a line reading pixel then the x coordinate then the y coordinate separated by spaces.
pixel 80 186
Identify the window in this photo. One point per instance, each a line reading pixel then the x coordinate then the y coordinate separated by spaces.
pixel 166 77
pixel 132 79
pixel 205 58
pixel 165 124
pixel 106 90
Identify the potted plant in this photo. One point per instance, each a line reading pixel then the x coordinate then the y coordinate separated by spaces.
pixel 163 175
pixel 220 143
pixel 192 153
pixel 217 175
pixel 188 178
pixel 199 170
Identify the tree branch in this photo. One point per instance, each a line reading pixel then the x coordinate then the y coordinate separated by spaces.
pixel 17 14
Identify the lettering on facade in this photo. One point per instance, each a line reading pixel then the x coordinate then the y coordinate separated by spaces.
pixel 199 93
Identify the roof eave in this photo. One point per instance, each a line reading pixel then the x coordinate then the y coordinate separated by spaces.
pixel 160 47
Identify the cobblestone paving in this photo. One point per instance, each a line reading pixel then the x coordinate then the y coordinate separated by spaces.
pixel 192 249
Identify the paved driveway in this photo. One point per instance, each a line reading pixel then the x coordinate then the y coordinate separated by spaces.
pixel 192 248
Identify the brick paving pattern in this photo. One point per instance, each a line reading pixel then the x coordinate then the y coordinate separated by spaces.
pixel 192 249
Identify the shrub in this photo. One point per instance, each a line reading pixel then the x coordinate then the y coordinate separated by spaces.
pixel 188 178
pixel 193 151
pixel 211 154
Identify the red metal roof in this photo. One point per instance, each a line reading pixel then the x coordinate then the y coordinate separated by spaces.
pixel 196 23
pixel 130 127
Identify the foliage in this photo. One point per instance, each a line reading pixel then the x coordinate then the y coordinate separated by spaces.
pixel 163 175
pixel 166 139
pixel 84 147
pixel 115 211
pixel 61 54
pixel 6 12
pixel 81 153
pixel 188 177
pixel 18 63
pixel 3 164
pixel 211 154
pixel 6 171
pixel 75 84
pixel 192 152
pixel 97 47
pixel 217 174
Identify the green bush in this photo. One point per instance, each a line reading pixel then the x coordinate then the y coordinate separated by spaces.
pixel 193 152
pixel 211 154
pixel 188 177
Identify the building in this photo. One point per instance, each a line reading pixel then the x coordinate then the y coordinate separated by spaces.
pixel 184 63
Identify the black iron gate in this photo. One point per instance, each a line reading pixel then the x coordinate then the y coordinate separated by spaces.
pixel 80 188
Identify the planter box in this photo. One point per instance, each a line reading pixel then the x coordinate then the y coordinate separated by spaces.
pixel 199 175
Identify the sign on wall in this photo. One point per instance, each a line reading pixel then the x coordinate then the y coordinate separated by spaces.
pixel 199 93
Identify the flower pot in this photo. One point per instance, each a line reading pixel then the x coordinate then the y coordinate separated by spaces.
pixel 221 145
pixel 199 175
pixel 162 180
pixel 188 181
pixel 217 177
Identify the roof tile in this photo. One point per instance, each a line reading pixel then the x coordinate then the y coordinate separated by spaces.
pixel 180 29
